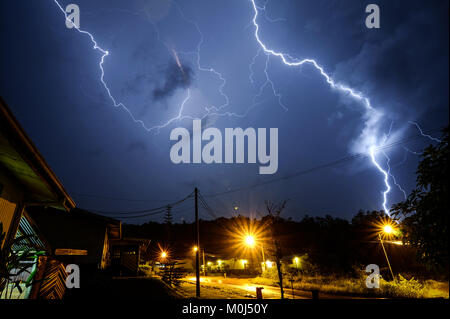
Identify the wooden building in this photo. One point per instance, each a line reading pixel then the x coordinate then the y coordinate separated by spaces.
pixel 26 181
pixel 78 237
pixel 34 204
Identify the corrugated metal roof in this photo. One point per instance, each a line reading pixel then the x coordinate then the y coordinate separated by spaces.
pixel 31 241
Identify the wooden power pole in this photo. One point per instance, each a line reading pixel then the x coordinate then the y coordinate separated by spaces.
pixel 197 253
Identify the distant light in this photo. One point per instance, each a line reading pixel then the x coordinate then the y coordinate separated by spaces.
pixel 296 260
pixel 250 240
pixel 243 261
pixel 209 263
pixel 236 208
pixel 219 262
pixel 163 254
pixel 195 248
pixel 269 264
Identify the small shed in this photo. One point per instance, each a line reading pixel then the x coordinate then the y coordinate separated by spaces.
pixel 126 255
pixel 78 237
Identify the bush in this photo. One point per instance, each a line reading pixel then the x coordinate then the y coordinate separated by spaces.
pixel 402 288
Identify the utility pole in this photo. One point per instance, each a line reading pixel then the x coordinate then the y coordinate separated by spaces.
pixel 204 264
pixel 197 252
pixel 387 259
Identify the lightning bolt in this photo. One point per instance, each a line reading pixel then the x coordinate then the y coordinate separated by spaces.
pixel 368 138
pixel 434 139
pixel 370 132
pixel 267 83
pixel 213 110
pixel 202 68
pixel 104 53
pixel 410 151
pixel 388 161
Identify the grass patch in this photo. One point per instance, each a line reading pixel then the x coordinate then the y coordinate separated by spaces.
pixel 400 288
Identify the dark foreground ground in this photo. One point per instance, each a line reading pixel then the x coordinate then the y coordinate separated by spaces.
pixel 101 286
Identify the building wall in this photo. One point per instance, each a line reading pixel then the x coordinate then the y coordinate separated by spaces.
pixel 105 262
pixel 11 190
pixel 7 210
pixel 10 196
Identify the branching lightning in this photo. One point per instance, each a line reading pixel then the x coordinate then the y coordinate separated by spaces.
pixel 368 141
pixel 369 135
pixel 423 134
pixel 104 54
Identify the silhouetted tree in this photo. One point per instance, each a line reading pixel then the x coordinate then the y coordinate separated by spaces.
pixel 274 211
pixel 426 209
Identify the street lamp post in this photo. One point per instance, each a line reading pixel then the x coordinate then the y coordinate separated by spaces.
pixel 204 265
pixel 387 229
pixel 163 257
pixel 296 261
pixel 202 251
pixel 251 242
pixel 263 265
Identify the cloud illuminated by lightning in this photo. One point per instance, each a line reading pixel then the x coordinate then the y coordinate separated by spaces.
pixel 367 142
pixel 104 54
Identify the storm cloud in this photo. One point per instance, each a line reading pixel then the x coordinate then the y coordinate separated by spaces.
pixel 175 77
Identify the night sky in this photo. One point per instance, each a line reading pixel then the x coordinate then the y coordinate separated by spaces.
pixel 50 78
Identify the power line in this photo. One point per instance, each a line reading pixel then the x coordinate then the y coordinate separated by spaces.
pixel 122 199
pixel 319 167
pixel 154 213
pixel 210 211
pixel 146 212
pixel 144 215
pixel 205 205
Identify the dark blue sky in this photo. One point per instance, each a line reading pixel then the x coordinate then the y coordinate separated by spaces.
pixel 50 77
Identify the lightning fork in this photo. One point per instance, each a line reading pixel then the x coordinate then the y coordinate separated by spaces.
pixel 373 116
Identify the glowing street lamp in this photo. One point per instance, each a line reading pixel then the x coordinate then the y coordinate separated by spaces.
pixel 296 261
pixel 195 249
pixel 163 257
pixel 250 241
pixel 387 230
